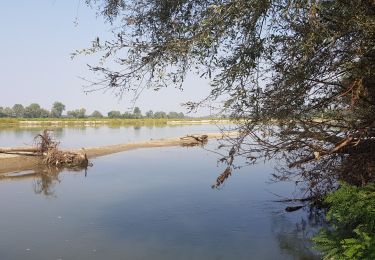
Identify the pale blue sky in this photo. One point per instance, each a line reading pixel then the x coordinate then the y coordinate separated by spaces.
pixel 37 38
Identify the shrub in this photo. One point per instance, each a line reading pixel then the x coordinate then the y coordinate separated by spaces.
pixel 352 215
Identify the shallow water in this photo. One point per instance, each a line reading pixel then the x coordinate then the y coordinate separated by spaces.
pixel 150 204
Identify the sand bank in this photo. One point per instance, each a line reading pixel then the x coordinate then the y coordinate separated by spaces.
pixel 16 163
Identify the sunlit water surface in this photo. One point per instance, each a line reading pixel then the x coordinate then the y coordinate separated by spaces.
pixel 148 204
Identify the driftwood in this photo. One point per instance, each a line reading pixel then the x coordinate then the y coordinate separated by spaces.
pixel 26 149
pixel 291 209
pixel 193 140
pixel 46 148
pixel 64 158
pixel 295 208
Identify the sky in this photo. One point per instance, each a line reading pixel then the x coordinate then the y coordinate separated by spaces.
pixel 37 39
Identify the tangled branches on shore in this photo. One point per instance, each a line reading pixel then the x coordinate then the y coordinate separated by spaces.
pixel 48 148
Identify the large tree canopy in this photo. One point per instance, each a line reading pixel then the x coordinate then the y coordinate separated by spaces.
pixel 298 76
pixel 57 109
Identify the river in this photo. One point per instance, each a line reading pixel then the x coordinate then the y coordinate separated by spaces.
pixel 147 204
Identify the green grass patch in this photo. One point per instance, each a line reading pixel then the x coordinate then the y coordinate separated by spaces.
pixel 88 121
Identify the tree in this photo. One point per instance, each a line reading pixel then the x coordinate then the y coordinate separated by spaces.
pixel 18 110
pixel 44 113
pixel 33 111
pixel 272 64
pixel 114 114
pixel 175 115
pixel 2 114
pixel 137 113
pixel 78 113
pixel 160 114
pixel 128 115
pixel 7 112
pixel 57 109
pixel 96 114
pixel 150 114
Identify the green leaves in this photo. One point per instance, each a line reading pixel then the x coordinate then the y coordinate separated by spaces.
pixel 352 215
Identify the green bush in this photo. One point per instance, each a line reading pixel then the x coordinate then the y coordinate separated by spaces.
pixel 352 218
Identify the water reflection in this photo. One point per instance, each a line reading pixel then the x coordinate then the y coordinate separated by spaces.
pixel 293 239
pixel 149 204
pixel 58 133
pixel 44 178
pixel 293 231
pixel 47 177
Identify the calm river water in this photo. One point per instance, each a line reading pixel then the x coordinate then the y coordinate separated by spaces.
pixel 147 204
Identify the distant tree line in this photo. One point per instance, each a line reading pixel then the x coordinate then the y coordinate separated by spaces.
pixel 137 114
pixel 34 110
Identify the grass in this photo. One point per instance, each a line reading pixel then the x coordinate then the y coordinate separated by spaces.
pixel 9 120
pixel 109 121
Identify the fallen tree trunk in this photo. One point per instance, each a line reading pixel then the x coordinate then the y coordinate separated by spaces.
pixel 27 149
pixel 47 149
pixel 192 140
pixel 293 208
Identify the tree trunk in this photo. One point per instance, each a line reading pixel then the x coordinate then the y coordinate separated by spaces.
pixel 18 149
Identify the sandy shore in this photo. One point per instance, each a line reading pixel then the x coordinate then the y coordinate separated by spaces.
pixel 16 163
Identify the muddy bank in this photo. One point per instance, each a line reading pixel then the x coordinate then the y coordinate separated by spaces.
pixel 26 161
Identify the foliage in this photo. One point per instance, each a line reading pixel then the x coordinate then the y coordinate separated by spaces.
pixel 96 114
pixel 279 61
pixel 34 111
pixel 114 114
pixel 149 114
pixel 160 114
pixel 137 113
pixel 77 113
pixel 175 115
pixel 6 112
pixel 57 109
pixel 352 214
pixel 128 115
pixel 2 114
pixel 18 110
pixel 44 113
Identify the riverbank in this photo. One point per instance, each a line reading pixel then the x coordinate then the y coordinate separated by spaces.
pixel 16 162
pixel 22 122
